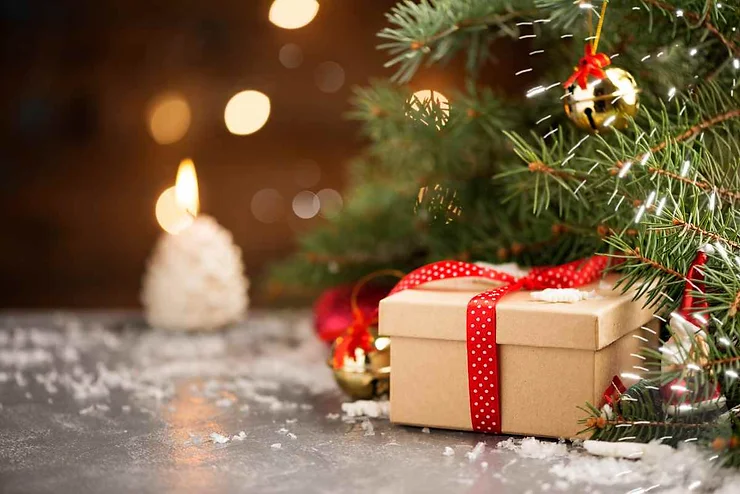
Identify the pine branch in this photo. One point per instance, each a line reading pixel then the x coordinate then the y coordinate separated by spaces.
pixel 714 236
pixel 702 20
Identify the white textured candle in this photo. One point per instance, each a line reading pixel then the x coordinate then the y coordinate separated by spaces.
pixel 195 280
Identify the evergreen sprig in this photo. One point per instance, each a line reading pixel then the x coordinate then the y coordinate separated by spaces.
pixel 494 178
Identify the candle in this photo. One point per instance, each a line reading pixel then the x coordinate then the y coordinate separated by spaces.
pixel 194 280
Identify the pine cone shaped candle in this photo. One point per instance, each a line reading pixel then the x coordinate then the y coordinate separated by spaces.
pixel 195 280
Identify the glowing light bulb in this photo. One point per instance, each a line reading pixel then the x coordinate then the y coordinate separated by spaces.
pixel 168 118
pixel 293 14
pixel 424 96
pixel 247 112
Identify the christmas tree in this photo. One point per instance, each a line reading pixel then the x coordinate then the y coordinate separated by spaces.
pixel 653 183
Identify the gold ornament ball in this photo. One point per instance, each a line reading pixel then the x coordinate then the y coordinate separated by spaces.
pixel 605 104
pixel 367 376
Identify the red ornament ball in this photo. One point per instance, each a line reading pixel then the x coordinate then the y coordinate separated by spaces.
pixel 333 310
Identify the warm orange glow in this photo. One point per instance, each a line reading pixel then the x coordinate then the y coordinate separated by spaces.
pixel 293 14
pixel 172 218
pixel 178 206
pixel 186 188
pixel 426 95
pixel 247 112
pixel 168 118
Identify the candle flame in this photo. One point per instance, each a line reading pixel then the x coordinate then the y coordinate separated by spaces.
pixel 186 188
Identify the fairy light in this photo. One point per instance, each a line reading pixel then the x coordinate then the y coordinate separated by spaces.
pixel 736 64
pixel 680 388
pixel 575 192
pixel 661 205
pixel 625 169
pixel 679 13
pixel 566 36
pixel 685 168
pixel 650 199
pixel 585 6
pixel 535 91
pixel 693 367
pixel 578 144
pixel 712 200
pixel 671 93
pixel 644 159
pixel 731 374
pixel 536 52
pixel 666 350
pixel 524 71
pixel 645 58
pixel 640 213
pixel 549 133
pixel 724 341
pixel 630 375
pixel 610 120
pixel 693 52
pixel 543 119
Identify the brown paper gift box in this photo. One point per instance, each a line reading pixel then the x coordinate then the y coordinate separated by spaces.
pixel 553 358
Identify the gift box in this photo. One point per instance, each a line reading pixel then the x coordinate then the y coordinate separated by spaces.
pixel 547 359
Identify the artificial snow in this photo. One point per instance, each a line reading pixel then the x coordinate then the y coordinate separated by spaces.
pixel 562 295
pixel 218 438
pixel 448 451
pixel 476 452
pixel 530 447
pixel 367 408
pixel 426 430
pixel 240 437
pixel 276 446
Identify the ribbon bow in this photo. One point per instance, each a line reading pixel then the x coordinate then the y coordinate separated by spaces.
pixel 357 336
pixel 592 64
pixel 483 373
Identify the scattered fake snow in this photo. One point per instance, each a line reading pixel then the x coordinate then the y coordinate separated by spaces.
pixel 671 470
pixel 562 295
pixel 476 452
pixel 530 447
pixel 218 438
pixel 276 446
pixel 448 451
pixel 367 408
pixel 426 430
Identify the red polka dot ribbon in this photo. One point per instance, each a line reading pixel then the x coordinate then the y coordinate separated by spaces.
pixel 483 369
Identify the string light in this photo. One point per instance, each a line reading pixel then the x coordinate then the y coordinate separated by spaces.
pixel 168 118
pixel 293 14
pixel 247 112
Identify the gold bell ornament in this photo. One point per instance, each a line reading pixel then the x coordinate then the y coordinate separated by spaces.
pixel 360 359
pixel 597 98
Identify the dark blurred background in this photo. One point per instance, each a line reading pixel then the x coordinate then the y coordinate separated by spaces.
pixel 81 169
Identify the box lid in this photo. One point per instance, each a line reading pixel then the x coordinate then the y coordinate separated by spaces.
pixel 520 320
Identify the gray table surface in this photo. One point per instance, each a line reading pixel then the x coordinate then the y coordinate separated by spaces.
pixel 98 402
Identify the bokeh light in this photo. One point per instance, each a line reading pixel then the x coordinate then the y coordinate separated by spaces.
pixel 168 118
pixel 293 14
pixel 291 56
pixel 306 204
pixel 425 96
pixel 329 77
pixel 267 205
pixel 171 217
pixel 247 112
pixel 331 202
pixel 306 173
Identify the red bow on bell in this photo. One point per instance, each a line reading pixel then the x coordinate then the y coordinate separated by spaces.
pixel 592 64
pixel 357 336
